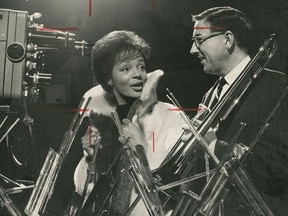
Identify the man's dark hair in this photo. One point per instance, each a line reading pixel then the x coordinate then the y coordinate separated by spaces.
pixel 228 18
pixel 112 48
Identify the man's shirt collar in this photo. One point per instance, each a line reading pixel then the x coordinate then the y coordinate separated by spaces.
pixel 233 74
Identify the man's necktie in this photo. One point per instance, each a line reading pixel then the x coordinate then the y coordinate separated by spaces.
pixel 219 88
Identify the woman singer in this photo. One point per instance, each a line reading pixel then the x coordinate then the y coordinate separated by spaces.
pixel 119 62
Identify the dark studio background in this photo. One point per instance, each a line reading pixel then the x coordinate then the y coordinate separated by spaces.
pixel 166 26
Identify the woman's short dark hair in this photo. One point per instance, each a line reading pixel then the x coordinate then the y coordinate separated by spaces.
pixel 227 18
pixel 106 53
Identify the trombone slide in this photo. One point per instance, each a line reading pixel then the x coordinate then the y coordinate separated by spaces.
pixel 44 185
pixel 217 185
pixel 7 203
pixel 48 175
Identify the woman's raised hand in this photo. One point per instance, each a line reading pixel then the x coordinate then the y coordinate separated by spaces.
pixel 133 131
pixel 89 140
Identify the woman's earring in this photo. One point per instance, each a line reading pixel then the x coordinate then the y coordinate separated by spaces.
pixel 110 83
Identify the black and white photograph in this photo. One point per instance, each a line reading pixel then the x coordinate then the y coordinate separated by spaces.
pixel 143 108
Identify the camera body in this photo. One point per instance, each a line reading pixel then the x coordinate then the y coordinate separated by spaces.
pixel 13 43
pixel 23 45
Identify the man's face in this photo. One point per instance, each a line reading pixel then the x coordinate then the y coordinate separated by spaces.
pixel 210 48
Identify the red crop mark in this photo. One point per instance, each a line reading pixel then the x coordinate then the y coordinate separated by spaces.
pixel 208 27
pixel 90 8
pixel 185 109
pixel 153 141
pixel 153 3
pixel 59 29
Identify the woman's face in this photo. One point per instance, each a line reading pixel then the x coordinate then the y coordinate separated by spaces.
pixel 127 78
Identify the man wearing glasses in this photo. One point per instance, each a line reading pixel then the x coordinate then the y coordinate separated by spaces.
pixel 221 40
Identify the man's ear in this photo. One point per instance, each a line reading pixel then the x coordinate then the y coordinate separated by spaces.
pixel 230 40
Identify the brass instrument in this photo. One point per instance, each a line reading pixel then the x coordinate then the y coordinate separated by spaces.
pixel 141 174
pixel 218 186
pixel 97 201
pixel 7 203
pixel 101 191
pixel 9 129
pixel 48 175
pixel 143 181
pixel 18 186
pixel 75 205
pixel 106 183
pixel 179 163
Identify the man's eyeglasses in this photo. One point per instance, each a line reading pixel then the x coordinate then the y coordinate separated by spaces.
pixel 198 40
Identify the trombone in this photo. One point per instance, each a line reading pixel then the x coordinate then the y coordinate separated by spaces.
pixel 98 198
pixel 182 157
pixel 218 186
pixel 229 169
pixel 45 183
pixel 141 174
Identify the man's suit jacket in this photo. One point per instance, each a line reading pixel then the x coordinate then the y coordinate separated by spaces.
pixel 267 165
